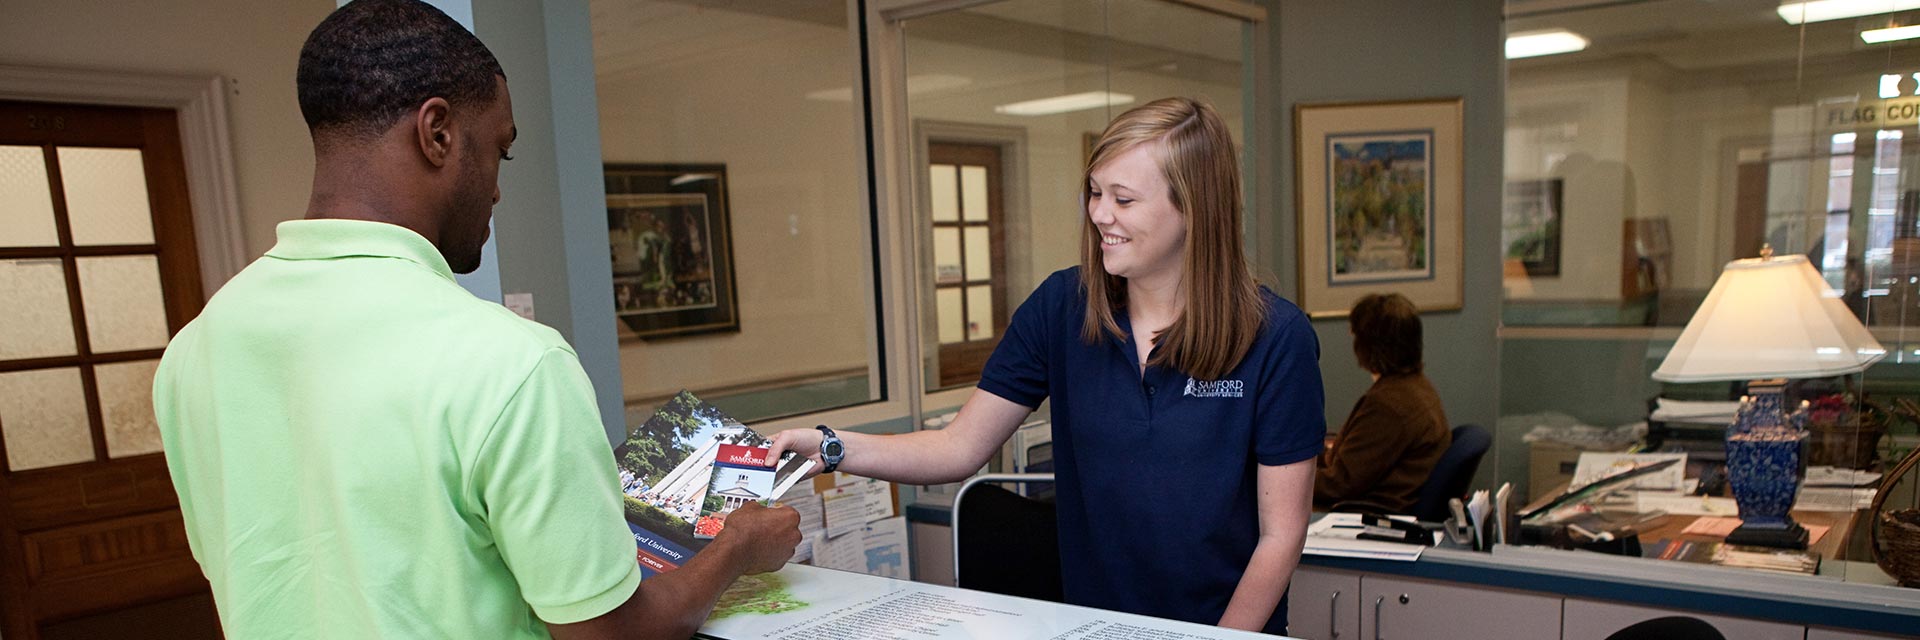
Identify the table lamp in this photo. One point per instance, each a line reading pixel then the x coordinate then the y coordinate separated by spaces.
pixel 1766 320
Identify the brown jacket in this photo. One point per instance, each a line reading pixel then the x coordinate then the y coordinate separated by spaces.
pixel 1387 448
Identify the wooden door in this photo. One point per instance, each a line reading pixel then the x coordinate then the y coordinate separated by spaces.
pixel 967 216
pixel 97 271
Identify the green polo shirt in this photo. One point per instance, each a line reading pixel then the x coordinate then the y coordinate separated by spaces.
pixel 365 450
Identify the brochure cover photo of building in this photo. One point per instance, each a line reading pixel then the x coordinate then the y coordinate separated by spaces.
pixel 669 476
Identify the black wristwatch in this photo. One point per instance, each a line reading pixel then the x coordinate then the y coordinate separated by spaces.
pixel 831 450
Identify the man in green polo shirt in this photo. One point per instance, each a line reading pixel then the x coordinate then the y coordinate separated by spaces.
pixel 362 448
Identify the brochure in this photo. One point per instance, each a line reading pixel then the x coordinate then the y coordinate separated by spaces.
pixel 686 468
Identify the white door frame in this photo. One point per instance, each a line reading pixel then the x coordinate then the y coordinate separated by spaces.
pixel 205 143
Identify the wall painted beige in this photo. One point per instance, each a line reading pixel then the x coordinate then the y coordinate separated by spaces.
pixel 795 162
pixel 255 45
pixel 796 200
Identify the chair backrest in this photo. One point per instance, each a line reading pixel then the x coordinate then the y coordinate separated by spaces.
pixel 1670 628
pixel 1004 542
pixel 1453 474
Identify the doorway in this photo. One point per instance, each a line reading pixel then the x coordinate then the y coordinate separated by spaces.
pixel 99 267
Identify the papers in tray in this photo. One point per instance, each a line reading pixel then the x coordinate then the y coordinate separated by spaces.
pixel 1335 535
pixel 1825 476
pixel 1695 411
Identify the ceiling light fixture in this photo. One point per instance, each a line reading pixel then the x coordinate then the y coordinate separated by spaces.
pixel 1824 10
pixel 1528 44
pixel 916 85
pixel 1890 34
pixel 1065 104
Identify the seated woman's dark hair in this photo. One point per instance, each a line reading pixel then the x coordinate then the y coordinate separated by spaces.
pixel 1386 334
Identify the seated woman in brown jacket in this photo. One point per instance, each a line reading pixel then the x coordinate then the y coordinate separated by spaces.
pixel 1397 432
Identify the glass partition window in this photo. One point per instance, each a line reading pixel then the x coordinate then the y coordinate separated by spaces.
pixel 1667 139
pixel 760 96
pixel 1006 100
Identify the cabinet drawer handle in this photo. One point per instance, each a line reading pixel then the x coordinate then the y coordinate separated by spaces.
pixel 1378 622
pixel 1333 616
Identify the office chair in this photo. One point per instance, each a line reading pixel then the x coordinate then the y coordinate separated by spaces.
pixel 1451 477
pixel 1003 542
pixel 1669 628
pixel 1453 474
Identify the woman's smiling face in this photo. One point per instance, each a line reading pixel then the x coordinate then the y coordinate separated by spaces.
pixel 1131 206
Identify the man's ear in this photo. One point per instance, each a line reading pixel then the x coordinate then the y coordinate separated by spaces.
pixel 433 131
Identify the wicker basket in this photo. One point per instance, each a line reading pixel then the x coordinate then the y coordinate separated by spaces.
pixel 1896 534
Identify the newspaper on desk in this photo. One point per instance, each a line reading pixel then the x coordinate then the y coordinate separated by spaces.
pixel 1337 535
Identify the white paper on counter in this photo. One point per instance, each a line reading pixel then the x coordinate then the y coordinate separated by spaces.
pixel 812 602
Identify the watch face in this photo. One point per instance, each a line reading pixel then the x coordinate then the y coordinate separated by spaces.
pixel 831 449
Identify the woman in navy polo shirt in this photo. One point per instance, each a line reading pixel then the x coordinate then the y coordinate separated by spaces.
pixel 1187 407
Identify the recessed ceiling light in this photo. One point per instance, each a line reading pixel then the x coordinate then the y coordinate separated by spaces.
pixel 1824 10
pixel 916 85
pixel 1528 44
pixel 1890 34
pixel 1065 104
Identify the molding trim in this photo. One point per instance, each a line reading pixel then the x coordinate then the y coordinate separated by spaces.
pixel 206 143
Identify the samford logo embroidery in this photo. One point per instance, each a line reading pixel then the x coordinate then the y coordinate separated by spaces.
pixel 1215 388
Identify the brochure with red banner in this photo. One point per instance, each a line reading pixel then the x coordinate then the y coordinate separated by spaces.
pixel 740 476
pixel 684 470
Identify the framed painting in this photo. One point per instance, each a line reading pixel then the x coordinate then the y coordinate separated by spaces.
pixel 671 241
pixel 1379 189
pixel 1530 226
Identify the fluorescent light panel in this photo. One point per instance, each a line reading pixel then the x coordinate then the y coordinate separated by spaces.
pixel 1065 104
pixel 1890 34
pixel 1824 10
pixel 916 85
pixel 1528 44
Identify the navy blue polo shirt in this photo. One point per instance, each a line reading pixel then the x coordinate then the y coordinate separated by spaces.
pixel 1156 473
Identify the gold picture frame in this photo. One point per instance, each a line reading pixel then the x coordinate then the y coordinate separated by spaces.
pixel 1379 193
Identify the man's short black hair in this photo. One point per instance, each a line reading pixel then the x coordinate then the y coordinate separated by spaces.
pixel 373 61
pixel 1386 334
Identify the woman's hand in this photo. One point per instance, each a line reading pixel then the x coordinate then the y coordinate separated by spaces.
pixel 802 442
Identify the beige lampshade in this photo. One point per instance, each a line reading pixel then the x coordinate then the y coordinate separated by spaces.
pixel 1770 318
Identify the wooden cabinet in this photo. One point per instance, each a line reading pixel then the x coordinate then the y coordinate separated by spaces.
pixel 1323 605
pixel 1590 620
pixel 1401 609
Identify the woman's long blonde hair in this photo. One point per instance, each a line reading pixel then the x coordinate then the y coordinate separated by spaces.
pixel 1221 309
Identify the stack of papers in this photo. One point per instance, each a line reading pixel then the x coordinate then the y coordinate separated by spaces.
pixel 1695 411
pixel 1336 534
pixel 1824 476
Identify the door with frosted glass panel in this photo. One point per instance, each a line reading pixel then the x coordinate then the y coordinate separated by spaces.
pixel 97 271
pixel 969 270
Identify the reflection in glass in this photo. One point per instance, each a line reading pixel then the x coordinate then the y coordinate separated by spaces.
pixel 945 195
pixel 35 321
pixel 952 317
pixel 979 312
pixel 43 415
pixel 946 255
pixel 1045 56
pixel 979 254
pixel 26 202
pixel 106 193
pixel 126 407
pixel 669 76
pixel 973 193
pixel 125 310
